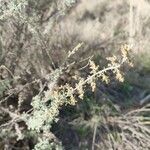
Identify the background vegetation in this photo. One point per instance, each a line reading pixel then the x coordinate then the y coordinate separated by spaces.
pixel 74 74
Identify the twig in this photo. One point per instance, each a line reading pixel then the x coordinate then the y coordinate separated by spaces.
pixel 145 100
pixel 4 67
pixel 138 111
pixel 94 136
pixel 18 132
pixel 11 114
pixel 6 98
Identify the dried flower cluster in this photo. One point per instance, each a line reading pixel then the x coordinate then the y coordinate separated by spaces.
pixel 95 73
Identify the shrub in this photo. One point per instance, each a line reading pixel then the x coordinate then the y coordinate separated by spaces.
pixel 32 89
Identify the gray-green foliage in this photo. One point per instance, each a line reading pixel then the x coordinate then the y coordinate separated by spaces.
pixel 36 121
pixel 45 107
pixel 43 115
pixel 46 145
pixel 70 2
pixel 11 8
pixel 4 85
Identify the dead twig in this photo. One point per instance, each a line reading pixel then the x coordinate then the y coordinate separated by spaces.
pixel 94 136
pixel 145 100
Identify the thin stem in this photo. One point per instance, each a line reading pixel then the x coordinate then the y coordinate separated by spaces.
pixel 94 136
